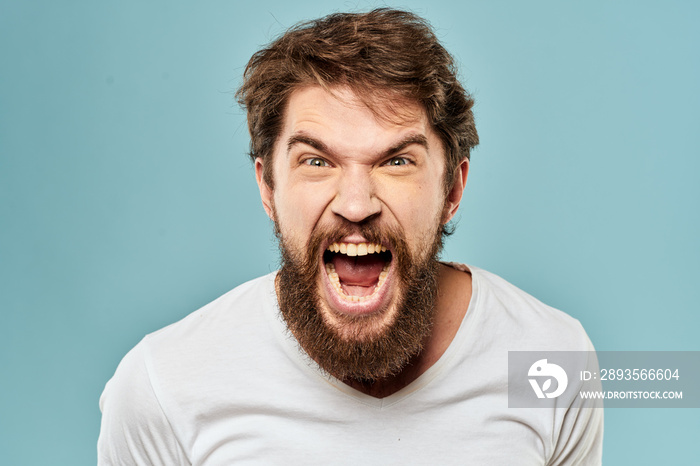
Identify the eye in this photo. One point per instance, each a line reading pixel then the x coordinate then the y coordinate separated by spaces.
pixel 316 162
pixel 397 161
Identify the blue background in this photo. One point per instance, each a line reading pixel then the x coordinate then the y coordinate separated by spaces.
pixel 127 201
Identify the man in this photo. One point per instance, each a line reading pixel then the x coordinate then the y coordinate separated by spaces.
pixel 363 347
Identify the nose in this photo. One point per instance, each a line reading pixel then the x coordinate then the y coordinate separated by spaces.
pixel 355 198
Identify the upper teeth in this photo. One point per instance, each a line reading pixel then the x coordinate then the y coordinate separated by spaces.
pixel 356 249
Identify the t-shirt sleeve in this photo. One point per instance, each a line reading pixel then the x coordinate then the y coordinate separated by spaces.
pixel 583 446
pixel 580 440
pixel 134 429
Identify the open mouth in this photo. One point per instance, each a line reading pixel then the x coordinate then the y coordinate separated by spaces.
pixel 357 271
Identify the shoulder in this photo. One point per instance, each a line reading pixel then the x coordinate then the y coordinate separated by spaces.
pixel 220 330
pixel 140 413
pixel 229 317
pixel 526 322
pixel 506 319
pixel 239 305
pixel 134 429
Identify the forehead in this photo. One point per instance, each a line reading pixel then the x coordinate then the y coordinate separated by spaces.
pixel 342 118
pixel 386 107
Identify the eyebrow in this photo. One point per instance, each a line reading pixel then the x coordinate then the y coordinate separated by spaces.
pixel 301 138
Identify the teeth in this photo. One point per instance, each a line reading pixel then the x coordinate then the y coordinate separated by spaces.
pixel 356 249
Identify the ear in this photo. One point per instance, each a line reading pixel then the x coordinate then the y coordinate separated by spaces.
pixel 454 195
pixel 265 191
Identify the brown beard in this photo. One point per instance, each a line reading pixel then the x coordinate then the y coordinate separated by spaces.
pixel 368 355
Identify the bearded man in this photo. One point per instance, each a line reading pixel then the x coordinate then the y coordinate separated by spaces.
pixel 363 347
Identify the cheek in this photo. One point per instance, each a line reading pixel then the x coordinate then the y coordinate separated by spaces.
pixel 299 208
pixel 417 218
pixel 415 205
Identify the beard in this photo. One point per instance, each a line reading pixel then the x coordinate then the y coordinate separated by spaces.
pixel 364 348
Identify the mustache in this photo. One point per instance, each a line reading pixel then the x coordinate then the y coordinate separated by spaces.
pixel 372 233
pixel 321 236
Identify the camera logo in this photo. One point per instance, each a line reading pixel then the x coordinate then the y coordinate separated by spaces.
pixel 542 368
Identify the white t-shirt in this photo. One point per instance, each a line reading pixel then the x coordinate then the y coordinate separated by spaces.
pixel 229 385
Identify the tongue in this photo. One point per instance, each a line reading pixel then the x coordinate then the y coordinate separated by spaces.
pixel 359 270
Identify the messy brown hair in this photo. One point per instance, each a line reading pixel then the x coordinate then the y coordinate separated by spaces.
pixel 383 56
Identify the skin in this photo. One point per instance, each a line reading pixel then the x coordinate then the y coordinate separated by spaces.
pixel 336 162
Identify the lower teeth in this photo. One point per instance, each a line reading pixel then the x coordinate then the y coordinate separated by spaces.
pixel 335 281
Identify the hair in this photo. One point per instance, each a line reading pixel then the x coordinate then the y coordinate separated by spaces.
pixel 384 56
